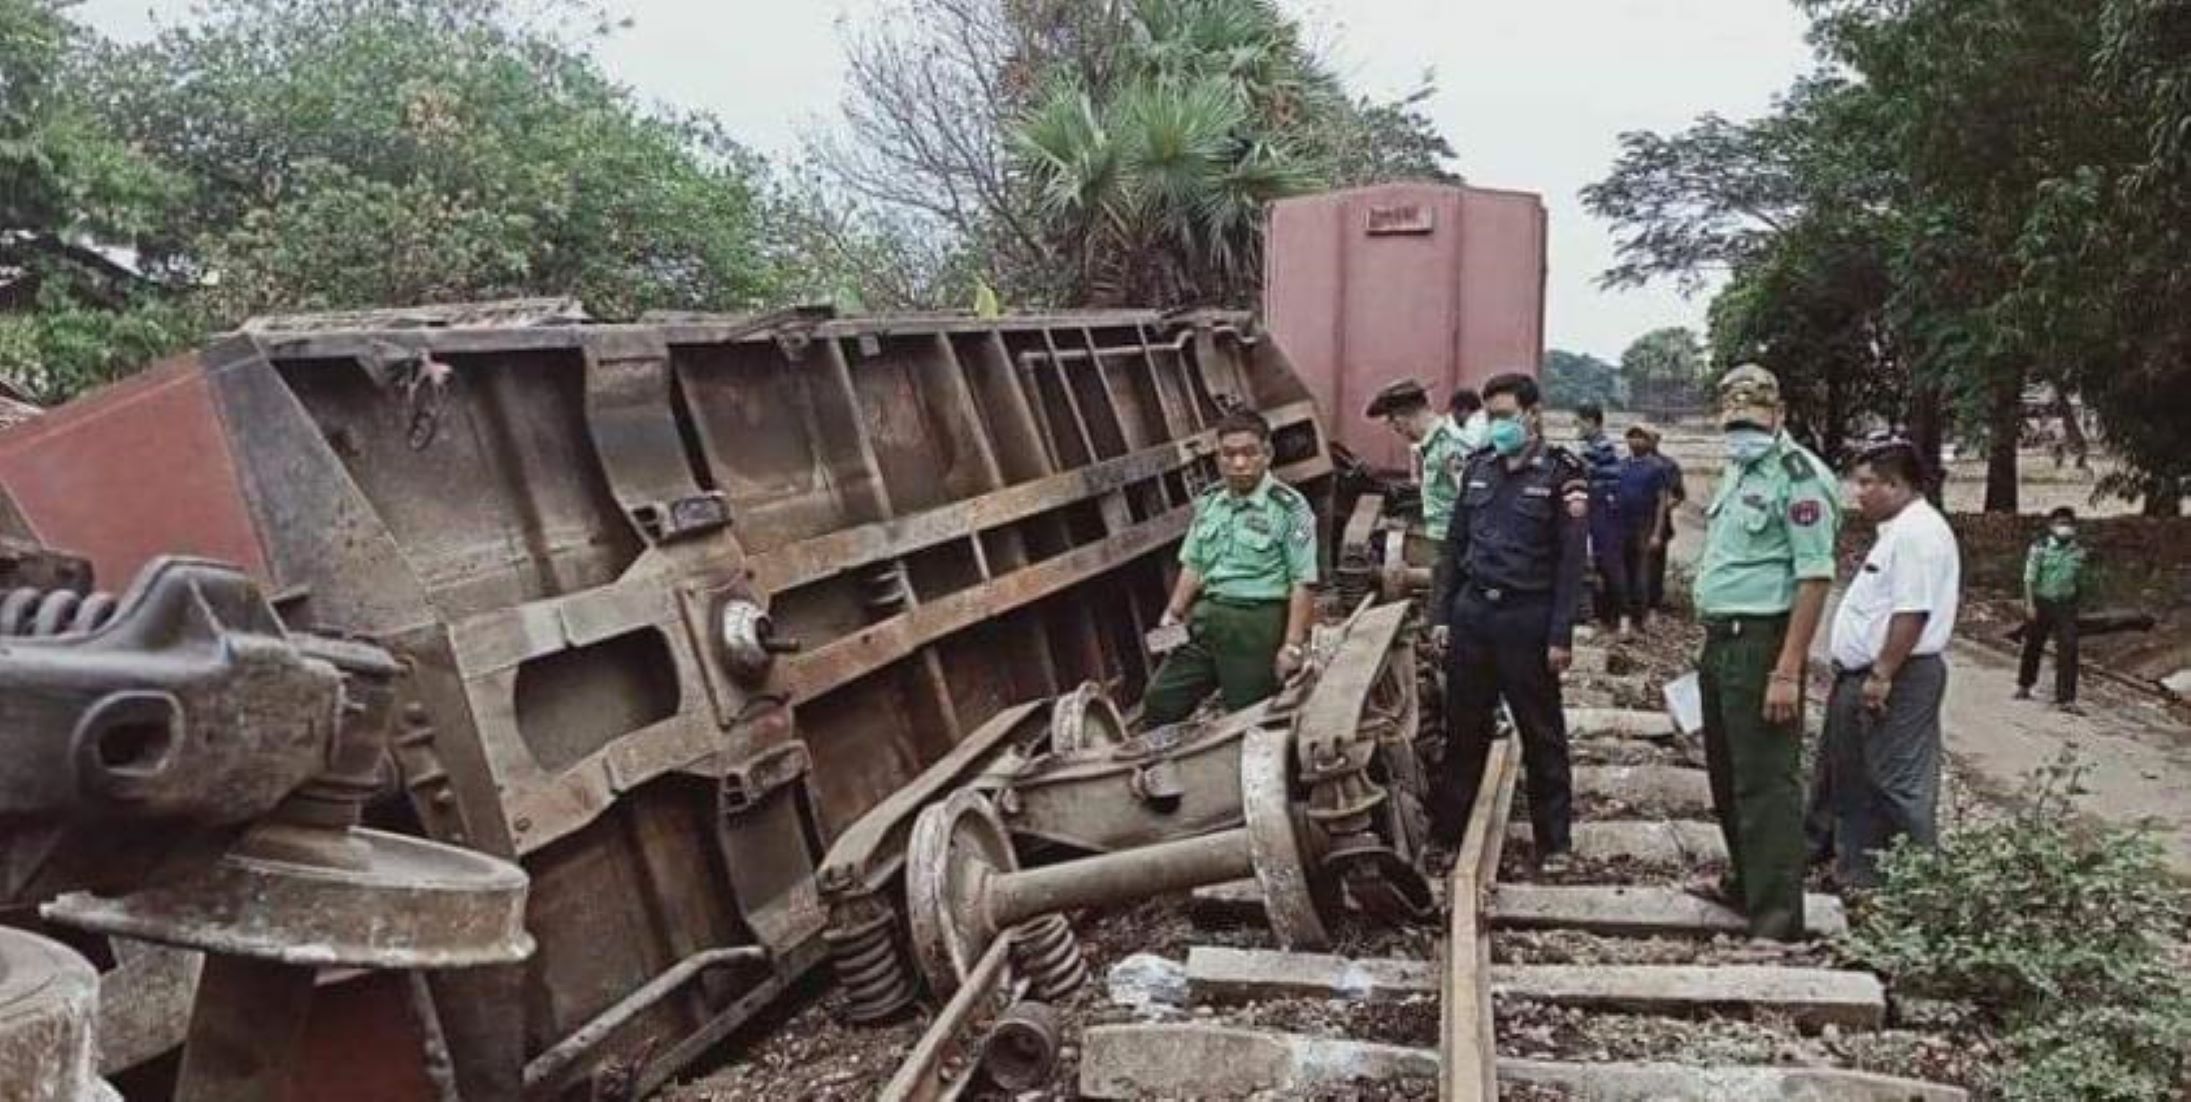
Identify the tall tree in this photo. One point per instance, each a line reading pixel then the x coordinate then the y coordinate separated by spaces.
pixel 73 200
pixel 1578 378
pixel 1666 369
pixel 1108 151
pixel 364 152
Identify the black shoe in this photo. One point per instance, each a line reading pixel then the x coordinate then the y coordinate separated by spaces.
pixel 2023 692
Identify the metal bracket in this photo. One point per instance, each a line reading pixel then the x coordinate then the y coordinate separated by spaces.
pixel 747 783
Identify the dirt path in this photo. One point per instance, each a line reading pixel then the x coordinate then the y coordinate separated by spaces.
pixel 2138 757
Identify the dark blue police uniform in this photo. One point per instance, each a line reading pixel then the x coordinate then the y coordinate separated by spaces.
pixel 1515 547
pixel 1609 548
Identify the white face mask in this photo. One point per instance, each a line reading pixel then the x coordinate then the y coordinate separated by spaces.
pixel 1748 445
pixel 2065 531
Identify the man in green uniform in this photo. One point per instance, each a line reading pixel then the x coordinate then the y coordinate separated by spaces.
pixel 1441 450
pixel 1243 590
pixel 1761 590
pixel 2056 578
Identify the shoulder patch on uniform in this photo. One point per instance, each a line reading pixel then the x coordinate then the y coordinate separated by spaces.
pixel 1805 513
pixel 1798 466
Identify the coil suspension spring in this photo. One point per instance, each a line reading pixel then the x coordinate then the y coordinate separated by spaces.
pixel 29 611
pixel 1046 952
pixel 877 977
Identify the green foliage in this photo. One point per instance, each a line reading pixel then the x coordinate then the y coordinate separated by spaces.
pixel 1153 180
pixel 1667 369
pixel 1983 193
pixel 2063 937
pixel 1109 152
pixel 487 158
pixel 1571 379
pixel 72 199
pixel 63 346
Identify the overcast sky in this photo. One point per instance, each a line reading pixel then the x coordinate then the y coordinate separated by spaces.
pixel 1533 93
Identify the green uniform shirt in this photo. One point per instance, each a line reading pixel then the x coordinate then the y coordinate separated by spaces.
pixel 1252 547
pixel 2055 570
pixel 1443 454
pixel 1772 523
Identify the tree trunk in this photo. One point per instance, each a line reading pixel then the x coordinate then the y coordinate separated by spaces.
pixel 1834 438
pixel 2072 430
pixel 2004 431
pixel 1928 426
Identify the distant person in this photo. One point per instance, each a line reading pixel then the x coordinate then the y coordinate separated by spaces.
pixel 1608 531
pixel 1245 571
pixel 1513 561
pixel 1648 491
pixel 1761 588
pixel 1465 407
pixel 1882 741
pixel 2057 577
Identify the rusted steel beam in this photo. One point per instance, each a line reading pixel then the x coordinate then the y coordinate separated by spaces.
pixel 811 560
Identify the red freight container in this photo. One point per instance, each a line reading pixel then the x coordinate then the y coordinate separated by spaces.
pixel 1441 283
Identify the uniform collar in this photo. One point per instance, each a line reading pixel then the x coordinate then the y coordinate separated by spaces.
pixel 1441 427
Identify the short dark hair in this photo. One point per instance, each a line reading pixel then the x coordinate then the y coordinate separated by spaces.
pixel 1464 401
pixel 2061 512
pixel 1244 420
pixel 1895 459
pixel 1522 387
pixel 1591 411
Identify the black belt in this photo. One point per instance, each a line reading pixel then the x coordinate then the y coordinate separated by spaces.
pixel 1734 627
pixel 1500 595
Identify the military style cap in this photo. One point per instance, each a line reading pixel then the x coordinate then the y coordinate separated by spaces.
pixel 1396 397
pixel 1749 393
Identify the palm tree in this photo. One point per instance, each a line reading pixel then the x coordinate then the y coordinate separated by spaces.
pixel 1153 188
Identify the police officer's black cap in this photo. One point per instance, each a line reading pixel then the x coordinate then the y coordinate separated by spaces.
pixel 1397 397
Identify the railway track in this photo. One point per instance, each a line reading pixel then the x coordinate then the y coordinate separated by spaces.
pixel 1525 967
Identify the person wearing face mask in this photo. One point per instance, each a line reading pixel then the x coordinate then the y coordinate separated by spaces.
pixel 1760 591
pixel 1245 570
pixel 2056 576
pixel 1512 562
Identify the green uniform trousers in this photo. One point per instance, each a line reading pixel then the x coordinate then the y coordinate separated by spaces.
pixel 1231 646
pixel 1756 770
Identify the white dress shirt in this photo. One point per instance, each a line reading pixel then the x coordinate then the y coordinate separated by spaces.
pixel 1914 566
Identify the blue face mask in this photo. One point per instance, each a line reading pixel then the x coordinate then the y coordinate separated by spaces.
pixel 1748 445
pixel 1508 436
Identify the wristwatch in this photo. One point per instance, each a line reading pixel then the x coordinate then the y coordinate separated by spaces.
pixel 1294 651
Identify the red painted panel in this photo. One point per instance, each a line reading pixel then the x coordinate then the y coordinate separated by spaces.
pixel 1443 284
pixel 362 1043
pixel 132 471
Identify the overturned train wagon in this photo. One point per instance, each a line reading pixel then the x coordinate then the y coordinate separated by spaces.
pixel 679 601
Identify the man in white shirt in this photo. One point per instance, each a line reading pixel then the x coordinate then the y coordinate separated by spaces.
pixel 1882 741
